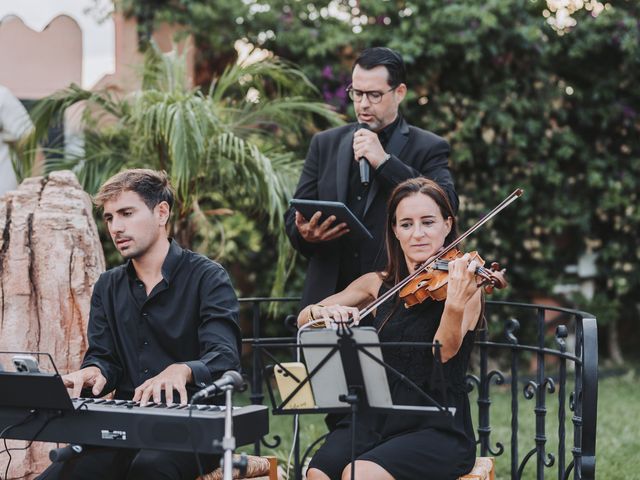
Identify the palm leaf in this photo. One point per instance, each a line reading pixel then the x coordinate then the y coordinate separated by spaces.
pixel 220 142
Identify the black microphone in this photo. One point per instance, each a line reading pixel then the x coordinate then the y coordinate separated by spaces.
pixel 363 163
pixel 230 378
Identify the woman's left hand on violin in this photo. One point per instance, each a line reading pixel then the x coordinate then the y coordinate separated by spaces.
pixel 463 282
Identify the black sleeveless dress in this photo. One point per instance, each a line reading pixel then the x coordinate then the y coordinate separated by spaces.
pixel 410 446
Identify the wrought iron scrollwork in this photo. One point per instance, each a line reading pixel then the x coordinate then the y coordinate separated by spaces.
pixel 472 382
pixel 498 375
pixel 582 400
pixel 277 440
pixel 568 471
pixel 547 463
pixel 529 390
pixel 525 460
pixel 550 384
pixel 290 323
pixel 499 451
pixel 551 460
pixel 510 329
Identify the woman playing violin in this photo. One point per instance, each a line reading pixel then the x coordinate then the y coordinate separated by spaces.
pixel 407 446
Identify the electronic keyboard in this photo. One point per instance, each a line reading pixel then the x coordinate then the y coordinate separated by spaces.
pixel 126 424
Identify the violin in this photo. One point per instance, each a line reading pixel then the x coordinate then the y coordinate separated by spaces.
pixel 497 277
pixel 432 282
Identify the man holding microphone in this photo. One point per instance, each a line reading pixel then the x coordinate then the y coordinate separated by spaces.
pixel 359 164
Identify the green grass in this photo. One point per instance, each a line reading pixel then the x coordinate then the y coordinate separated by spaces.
pixel 617 439
pixel 618 431
pixel 618 436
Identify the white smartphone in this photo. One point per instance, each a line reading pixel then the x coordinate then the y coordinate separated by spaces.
pixel 25 364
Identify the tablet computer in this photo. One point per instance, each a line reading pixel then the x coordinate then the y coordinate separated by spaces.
pixel 309 207
pixel 329 381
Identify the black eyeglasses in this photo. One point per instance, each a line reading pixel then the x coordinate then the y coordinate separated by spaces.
pixel 374 96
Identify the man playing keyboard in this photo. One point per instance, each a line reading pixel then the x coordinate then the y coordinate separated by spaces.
pixel 161 326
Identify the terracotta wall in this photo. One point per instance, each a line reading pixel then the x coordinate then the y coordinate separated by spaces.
pixel 35 64
pixel 129 59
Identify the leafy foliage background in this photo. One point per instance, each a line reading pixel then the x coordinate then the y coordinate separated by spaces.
pixel 521 105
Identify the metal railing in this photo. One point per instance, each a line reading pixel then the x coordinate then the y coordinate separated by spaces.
pixel 580 378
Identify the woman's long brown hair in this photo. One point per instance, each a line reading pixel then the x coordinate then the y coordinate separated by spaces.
pixel 396 268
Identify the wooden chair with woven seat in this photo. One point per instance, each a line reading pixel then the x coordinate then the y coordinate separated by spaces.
pixel 484 469
pixel 258 468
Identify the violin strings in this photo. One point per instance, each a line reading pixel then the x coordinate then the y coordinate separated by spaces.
pixel 480 270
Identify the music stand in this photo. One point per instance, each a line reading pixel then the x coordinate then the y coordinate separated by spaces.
pixel 37 390
pixel 362 388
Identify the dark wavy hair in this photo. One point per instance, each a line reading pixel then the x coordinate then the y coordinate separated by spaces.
pixel 373 57
pixel 396 269
pixel 152 186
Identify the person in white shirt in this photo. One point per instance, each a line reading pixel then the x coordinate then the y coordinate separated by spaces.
pixel 15 124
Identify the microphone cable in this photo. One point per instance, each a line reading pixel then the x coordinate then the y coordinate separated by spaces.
pixel 26 419
pixel 35 435
pixel 311 324
pixel 296 417
pixel 7 450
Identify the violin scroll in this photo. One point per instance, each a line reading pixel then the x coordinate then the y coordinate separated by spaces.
pixel 496 278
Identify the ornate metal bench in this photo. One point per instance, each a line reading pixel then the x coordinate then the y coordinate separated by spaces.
pixel 570 354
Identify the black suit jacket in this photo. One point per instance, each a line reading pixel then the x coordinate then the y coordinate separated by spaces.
pixel 325 176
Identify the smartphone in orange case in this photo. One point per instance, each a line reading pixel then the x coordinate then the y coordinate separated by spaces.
pixel 287 384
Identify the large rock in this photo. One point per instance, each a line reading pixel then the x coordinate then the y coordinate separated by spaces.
pixel 50 258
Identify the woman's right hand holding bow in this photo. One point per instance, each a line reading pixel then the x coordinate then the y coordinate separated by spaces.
pixel 334 314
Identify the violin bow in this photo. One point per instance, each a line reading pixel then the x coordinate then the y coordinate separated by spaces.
pixel 392 291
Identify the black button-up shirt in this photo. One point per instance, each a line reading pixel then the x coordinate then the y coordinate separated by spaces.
pixel 190 317
pixel 350 266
